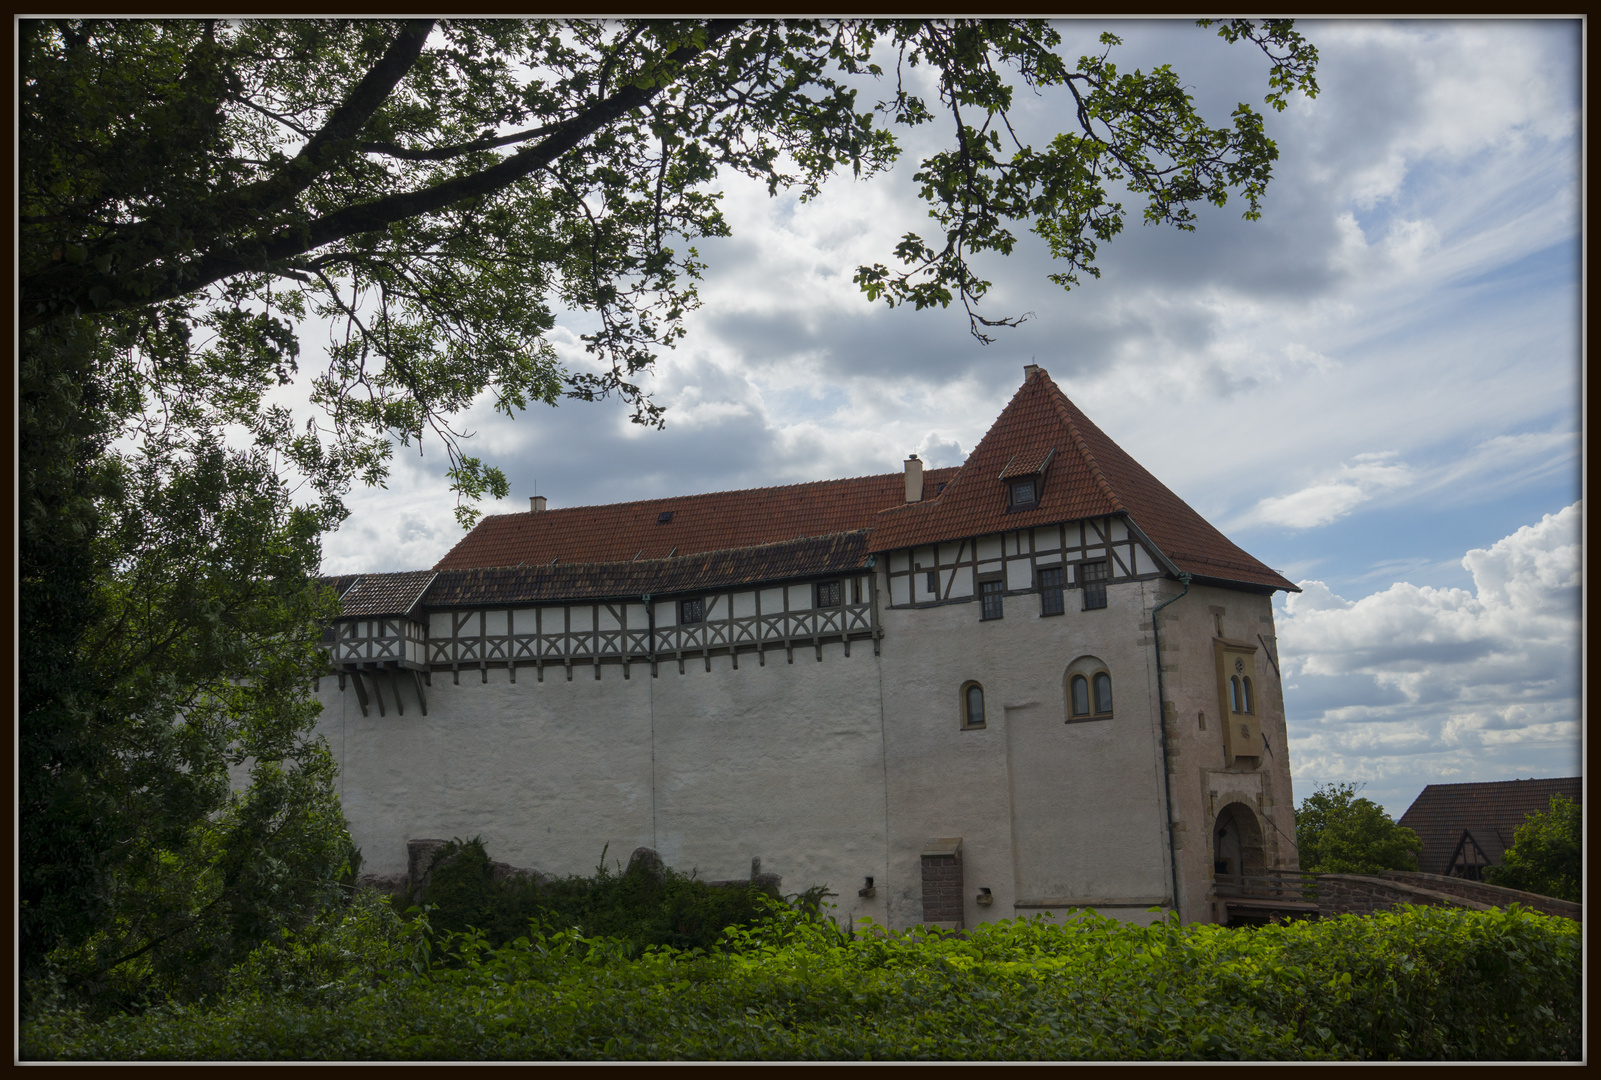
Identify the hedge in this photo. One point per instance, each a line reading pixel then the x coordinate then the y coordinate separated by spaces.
pixel 1422 983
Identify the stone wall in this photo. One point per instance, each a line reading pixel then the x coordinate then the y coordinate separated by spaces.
pixel 1493 895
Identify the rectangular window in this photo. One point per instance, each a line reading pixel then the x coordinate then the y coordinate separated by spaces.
pixel 933 584
pixel 691 610
pixel 856 590
pixel 826 594
pixel 1094 575
pixel 1023 493
pixel 990 594
pixel 1051 590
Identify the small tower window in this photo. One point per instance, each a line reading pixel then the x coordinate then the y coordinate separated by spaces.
pixel 1089 690
pixel 1051 582
pixel 972 705
pixel 691 611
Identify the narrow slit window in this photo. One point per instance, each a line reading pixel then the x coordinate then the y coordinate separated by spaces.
pixel 990 594
pixel 1094 584
pixel 1234 693
pixel 933 583
pixel 1051 583
pixel 1245 691
pixel 972 705
pixel 1081 695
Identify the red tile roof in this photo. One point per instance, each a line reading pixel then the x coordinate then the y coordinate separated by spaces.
pixel 1085 475
pixel 1491 811
pixel 373 595
pixel 1088 475
pixel 620 532
pixel 709 570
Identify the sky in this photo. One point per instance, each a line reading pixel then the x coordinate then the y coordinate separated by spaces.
pixel 1374 389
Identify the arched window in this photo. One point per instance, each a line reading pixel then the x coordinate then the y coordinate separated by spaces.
pixel 972 705
pixel 1247 697
pixel 1080 696
pixel 1234 693
pixel 1089 690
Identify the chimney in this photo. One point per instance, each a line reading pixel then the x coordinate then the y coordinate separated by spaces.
pixel 914 479
pixel 1029 371
pixel 536 504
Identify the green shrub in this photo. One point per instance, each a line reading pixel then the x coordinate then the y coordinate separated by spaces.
pixel 1418 984
pixel 1547 854
pixel 638 906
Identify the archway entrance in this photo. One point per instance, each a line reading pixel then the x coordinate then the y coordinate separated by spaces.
pixel 1237 853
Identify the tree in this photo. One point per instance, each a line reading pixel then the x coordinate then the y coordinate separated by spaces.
pixel 1339 833
pixel 191 191
pixel 1547 854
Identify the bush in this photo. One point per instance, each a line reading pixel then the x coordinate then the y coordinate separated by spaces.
pixel 1546 856
pixel 645 905
pixel 1417 984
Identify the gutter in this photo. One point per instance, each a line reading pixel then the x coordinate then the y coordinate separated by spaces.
pixel 1161 715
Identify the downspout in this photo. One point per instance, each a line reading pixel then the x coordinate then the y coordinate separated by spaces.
pixel 1161 715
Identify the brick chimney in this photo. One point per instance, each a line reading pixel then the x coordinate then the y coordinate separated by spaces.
pixel 914 479
pixel 536 504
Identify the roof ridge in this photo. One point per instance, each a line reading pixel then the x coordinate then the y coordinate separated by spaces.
pixel 1061 402
pixel 708 494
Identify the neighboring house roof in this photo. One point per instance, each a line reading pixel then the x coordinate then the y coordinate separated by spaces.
pixel 1084 474
pixel 1491 812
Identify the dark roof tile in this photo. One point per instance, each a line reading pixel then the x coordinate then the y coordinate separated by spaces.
pixel 1491 811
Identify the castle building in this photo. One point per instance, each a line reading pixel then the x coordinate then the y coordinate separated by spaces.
pixel 1034 682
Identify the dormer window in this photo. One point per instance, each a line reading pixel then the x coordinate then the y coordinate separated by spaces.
pixel 1025 492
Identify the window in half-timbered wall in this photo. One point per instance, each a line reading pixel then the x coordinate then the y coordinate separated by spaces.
pixel 1094 577
pixel 932 584
pixel 990 593
pixel 691 611
pixel 1052 581
pixel 826 594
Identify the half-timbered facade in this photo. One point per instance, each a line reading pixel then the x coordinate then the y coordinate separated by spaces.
pixel 1033 682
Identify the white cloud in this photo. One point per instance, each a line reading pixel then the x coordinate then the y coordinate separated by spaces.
pixel 1449 683
pixel 1333 497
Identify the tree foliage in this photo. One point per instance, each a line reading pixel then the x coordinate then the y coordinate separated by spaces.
pixel 443 190
pixel 1338 832
pixel 191 192
pixel 1547 854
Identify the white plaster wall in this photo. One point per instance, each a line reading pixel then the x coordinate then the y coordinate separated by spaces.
pixel 1045 809
pixel 835 770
